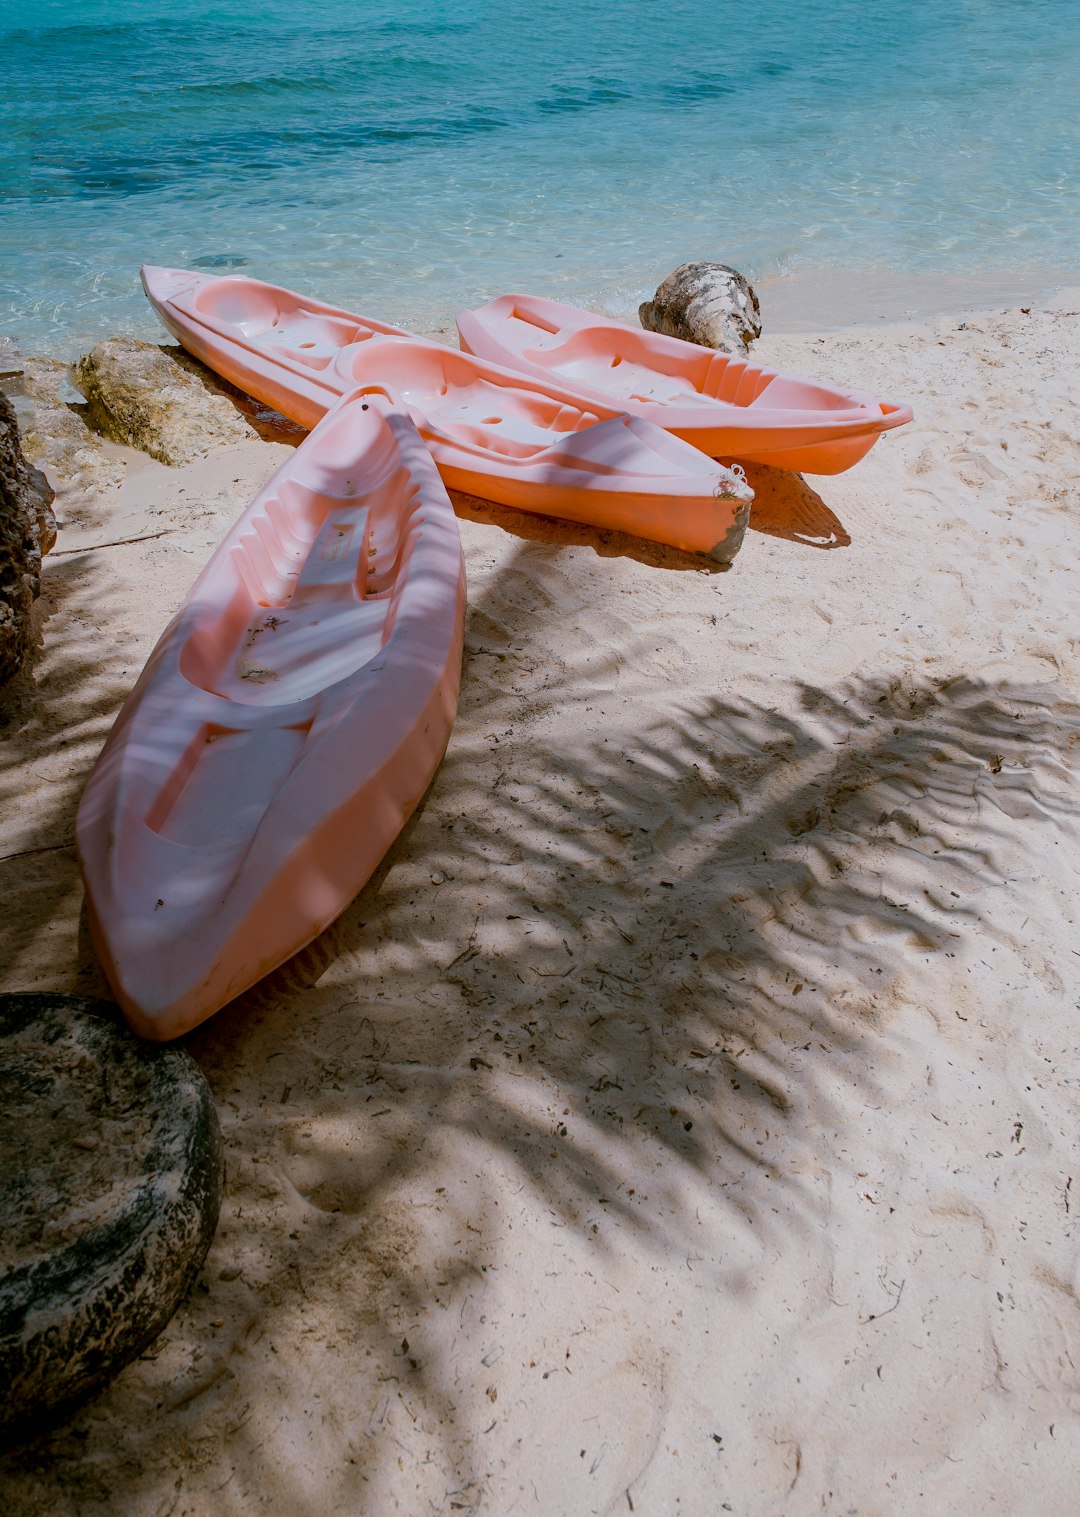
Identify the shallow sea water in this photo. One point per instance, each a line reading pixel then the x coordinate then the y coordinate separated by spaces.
pixel 406 157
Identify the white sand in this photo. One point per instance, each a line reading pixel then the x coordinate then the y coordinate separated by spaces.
pixel 685 1120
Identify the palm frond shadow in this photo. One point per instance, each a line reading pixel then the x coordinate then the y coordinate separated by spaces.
pixel 682 919
pixel 615 962
pixel 617 973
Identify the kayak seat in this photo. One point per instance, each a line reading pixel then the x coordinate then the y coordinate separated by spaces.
pixel 284 635
pixel 200 804
pixel 268 314
pixel 617 359
pixel 496 427
pixel 310 339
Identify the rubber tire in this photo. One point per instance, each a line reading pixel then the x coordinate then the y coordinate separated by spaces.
pixel 71 1318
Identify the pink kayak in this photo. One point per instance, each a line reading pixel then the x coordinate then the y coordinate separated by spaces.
pixel 533 444
pixel 726 406
pixel 284 728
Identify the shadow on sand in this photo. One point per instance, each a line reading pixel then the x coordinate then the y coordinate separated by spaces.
pixel 656 949
pixel 54 717
pixel 786 506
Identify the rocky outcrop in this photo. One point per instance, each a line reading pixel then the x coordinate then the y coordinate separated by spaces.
pixel 159 400
pixel 27 530
pixel 707 303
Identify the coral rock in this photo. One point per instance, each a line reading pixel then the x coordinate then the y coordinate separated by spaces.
pixel 110 1189
pixel 707 303
pixel 27 529
pixel 159 400
pixel 56 437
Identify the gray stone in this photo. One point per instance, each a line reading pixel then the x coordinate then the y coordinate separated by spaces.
pixel 158 400
pixel 27 529
pixel 706 303
pixel 110 1187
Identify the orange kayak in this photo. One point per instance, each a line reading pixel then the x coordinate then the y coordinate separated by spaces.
pixel 287 723
pixel 726 406
pixel 530 443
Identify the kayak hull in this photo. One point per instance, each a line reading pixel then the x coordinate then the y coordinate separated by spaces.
pixel 286 724
pixel 530 444
pixel 726 406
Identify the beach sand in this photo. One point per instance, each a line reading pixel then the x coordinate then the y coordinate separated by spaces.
pixel 685 1118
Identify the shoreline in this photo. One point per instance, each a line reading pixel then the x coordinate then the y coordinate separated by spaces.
pixel 702 1058
pixel 807 301
pixel 827 300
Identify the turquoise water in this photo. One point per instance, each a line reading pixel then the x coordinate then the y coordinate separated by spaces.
pixel 408 156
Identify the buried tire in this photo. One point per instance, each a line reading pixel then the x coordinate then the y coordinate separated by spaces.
pixel 110 1187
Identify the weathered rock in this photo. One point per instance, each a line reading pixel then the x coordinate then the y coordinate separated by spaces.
pixel 55 436
pixel 42 496
pixel 27 530
pixel 41 492
pixel 707 303
pixel 110 1187
pixel 159 400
